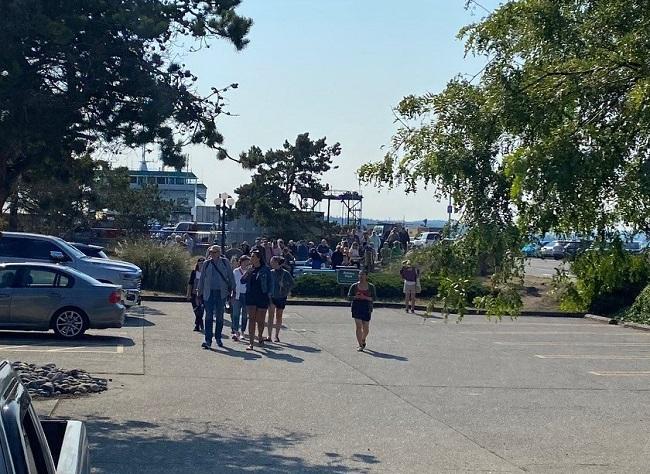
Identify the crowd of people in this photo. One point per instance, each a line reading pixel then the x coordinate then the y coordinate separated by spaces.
pixel 254 282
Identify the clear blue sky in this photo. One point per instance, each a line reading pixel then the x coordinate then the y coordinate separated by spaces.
pixel 333 68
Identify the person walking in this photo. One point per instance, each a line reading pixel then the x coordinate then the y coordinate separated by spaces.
pixel 362 294
pixel 258 287
pixel 282 282
pixel 355 255
pixel 239 316
pixel 375 240
pixel 215 287
pixel 404 238
pixel 410 276
pixel 302 251
pixel 192 294
pixel 337 257
pixel 289 260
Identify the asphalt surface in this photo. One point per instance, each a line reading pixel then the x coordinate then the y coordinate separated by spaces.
pixel 535 395
pixel 546 267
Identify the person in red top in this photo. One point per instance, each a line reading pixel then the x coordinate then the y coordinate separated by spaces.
pixel 362 294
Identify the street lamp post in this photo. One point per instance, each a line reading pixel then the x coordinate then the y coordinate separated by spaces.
pixel 224 202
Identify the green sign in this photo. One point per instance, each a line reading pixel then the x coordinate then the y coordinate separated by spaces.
pixel 347 277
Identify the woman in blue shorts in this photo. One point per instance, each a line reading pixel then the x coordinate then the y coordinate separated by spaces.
pixel 362 294
pixel 258 287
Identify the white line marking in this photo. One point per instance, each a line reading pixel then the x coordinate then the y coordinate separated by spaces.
pixel 621 374
pixel 592 357
pixel 570 343
pixel 63 349
pixel 68 350
pixel 12 347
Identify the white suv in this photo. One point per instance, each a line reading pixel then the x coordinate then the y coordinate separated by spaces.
pixel 21 247
pixel 425 239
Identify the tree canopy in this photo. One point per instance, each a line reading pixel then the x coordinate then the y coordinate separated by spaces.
pixel 76 76
pixel 283 180
pixel 553 135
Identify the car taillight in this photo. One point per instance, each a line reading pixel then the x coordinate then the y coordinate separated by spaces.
pixel 115 297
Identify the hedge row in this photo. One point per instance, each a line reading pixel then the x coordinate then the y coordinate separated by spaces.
pixel 388 285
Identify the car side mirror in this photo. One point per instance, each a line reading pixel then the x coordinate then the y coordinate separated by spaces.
pixel 58 256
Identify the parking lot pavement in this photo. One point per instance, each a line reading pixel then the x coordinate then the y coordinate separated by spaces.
pixel 535 394
pixel 545 268
pixel 111 351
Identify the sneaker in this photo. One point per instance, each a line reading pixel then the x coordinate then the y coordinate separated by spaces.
pixel 360 349
pixel 219 343
pixel 235 338
pixel 205 345
pixel 196 329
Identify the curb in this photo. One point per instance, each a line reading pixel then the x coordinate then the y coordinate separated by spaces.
pixel 601 319
pixel 637 326
pixel 606 320
pixel 391 305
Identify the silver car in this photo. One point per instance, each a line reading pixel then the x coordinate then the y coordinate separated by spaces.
pixel 42 296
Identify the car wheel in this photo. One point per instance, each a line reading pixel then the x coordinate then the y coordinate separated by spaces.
pixel 69 323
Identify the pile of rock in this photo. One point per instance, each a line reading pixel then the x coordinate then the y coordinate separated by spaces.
pixel 49 381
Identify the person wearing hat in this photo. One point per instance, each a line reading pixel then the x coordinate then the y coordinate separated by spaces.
pixel 410 275
pixel 215 287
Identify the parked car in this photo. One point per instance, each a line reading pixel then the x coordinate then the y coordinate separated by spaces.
pixel 31 445
pixel 40 297
pixel 633 247
pixel 22 247
pixel 531 249
pixel 554 249
pixel 425 239
pixel 575 247
pixel 90 250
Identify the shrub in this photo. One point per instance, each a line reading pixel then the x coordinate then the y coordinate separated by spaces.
pixel 606 280
pixel 316 285
pixel 639 312
pixel 388 285
pixel 163 268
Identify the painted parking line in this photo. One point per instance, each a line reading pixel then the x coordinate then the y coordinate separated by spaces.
pixel 591 357
pixel 67 350
pixel 570 343
pixel 643 373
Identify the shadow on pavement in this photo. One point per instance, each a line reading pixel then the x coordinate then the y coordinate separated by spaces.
pixel 136 322
pixel 383 355
pixel 232 352
pixel 297 347
pixel 27 337
pixel 180 446
pixel 146 310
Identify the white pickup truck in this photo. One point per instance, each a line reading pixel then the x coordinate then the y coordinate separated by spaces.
pixel 23 247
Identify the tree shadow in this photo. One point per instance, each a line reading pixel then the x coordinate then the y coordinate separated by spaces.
pixel 383 355
pixel 181 446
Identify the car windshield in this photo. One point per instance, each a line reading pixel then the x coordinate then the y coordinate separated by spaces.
pixel 69 249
